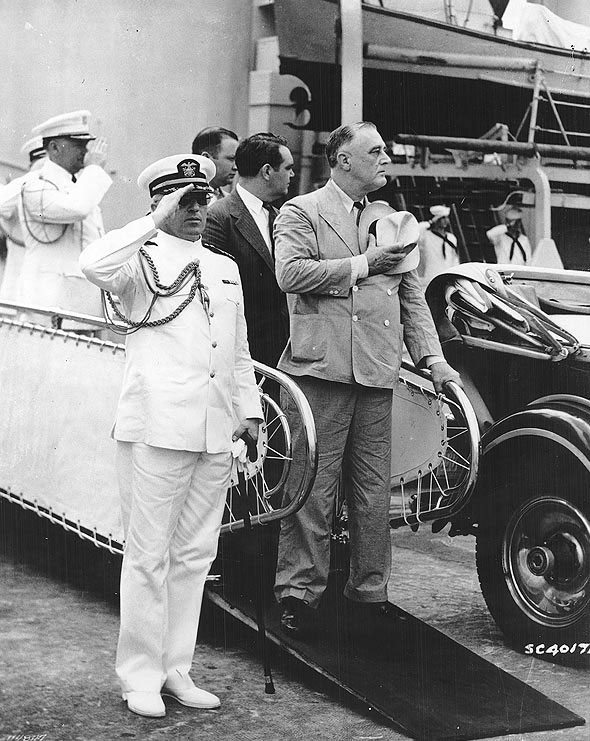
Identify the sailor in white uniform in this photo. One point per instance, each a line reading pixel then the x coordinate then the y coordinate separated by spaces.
pixel 510 242
pixel 9 221
pixel 188 391
pixel 59 214
pixel 438 245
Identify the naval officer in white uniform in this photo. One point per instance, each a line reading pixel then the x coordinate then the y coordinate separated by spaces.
pixel 9 221
pixel 188 391
pixel 60 215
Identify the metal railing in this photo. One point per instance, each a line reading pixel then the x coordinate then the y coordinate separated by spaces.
pixel 258 485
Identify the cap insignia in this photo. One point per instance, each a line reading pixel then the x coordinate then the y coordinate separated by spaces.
pixel 189 168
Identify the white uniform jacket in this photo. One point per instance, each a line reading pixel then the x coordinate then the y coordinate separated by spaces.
pixel 503 246
pixel 435 255
pixel 188 382
pixel 58 219
pixel 10 225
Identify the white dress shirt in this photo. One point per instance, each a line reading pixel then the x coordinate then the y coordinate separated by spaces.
pixel 260 215
pixel 359 264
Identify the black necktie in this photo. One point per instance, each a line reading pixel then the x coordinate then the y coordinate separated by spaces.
pixel 516 243
pixel 445 241
pixel 74 179
pixel 359 205
pixel 271 220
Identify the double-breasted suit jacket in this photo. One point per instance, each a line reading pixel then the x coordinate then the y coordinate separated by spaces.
pixel 341 332
pixel 230 227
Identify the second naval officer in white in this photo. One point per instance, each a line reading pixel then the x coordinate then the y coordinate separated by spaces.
pixel 188 390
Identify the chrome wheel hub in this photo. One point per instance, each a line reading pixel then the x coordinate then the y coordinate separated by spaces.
pixel 546 560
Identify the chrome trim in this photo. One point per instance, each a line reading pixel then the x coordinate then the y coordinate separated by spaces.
pixel 510 349
pixel 560 398
pixel 552 591
pixel 538 432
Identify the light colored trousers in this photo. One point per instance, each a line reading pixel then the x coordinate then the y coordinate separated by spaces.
pixel 172 503
pixel 353 425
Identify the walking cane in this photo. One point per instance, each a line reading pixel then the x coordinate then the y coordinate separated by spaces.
pixel 252 454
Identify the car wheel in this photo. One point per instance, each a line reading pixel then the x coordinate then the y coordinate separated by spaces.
pixel 533 563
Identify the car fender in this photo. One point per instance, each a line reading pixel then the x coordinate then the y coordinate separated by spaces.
pixel 561 419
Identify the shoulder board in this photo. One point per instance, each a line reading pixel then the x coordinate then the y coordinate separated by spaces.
pixel 218 251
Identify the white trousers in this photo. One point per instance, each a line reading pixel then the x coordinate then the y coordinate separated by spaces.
pixel 172 503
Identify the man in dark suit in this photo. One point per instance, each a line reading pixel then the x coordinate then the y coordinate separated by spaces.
pixel 241 224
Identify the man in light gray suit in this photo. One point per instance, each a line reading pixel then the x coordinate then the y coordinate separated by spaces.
pixel 349 315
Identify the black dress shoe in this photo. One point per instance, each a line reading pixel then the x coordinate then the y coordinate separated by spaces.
pixel 292 616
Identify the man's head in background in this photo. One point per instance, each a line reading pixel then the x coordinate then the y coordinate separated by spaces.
pixel 265 165
pixel 218 144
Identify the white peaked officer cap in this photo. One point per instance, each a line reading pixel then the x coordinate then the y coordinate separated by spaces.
pixel 439 211
pixel 34 148
pixel 178 171
pixel 73 125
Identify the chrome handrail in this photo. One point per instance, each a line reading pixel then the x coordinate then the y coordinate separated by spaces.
pixel 285 382
pixel 311 452
pixel 57 312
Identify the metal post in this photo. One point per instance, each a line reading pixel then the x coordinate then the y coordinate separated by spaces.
pixel 535 103
pixel 542 202
pixel 351 61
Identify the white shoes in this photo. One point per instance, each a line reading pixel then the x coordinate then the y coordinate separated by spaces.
pixel 192 697
pixel 149 704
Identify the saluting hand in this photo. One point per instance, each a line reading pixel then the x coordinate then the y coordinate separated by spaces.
pixel 168 205
pixel 96 152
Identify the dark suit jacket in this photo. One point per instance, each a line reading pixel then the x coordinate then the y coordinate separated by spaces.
pixel 230 227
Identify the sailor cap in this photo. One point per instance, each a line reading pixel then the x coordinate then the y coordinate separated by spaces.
pixel 178 171
pixel 439 211
pixel 73 125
